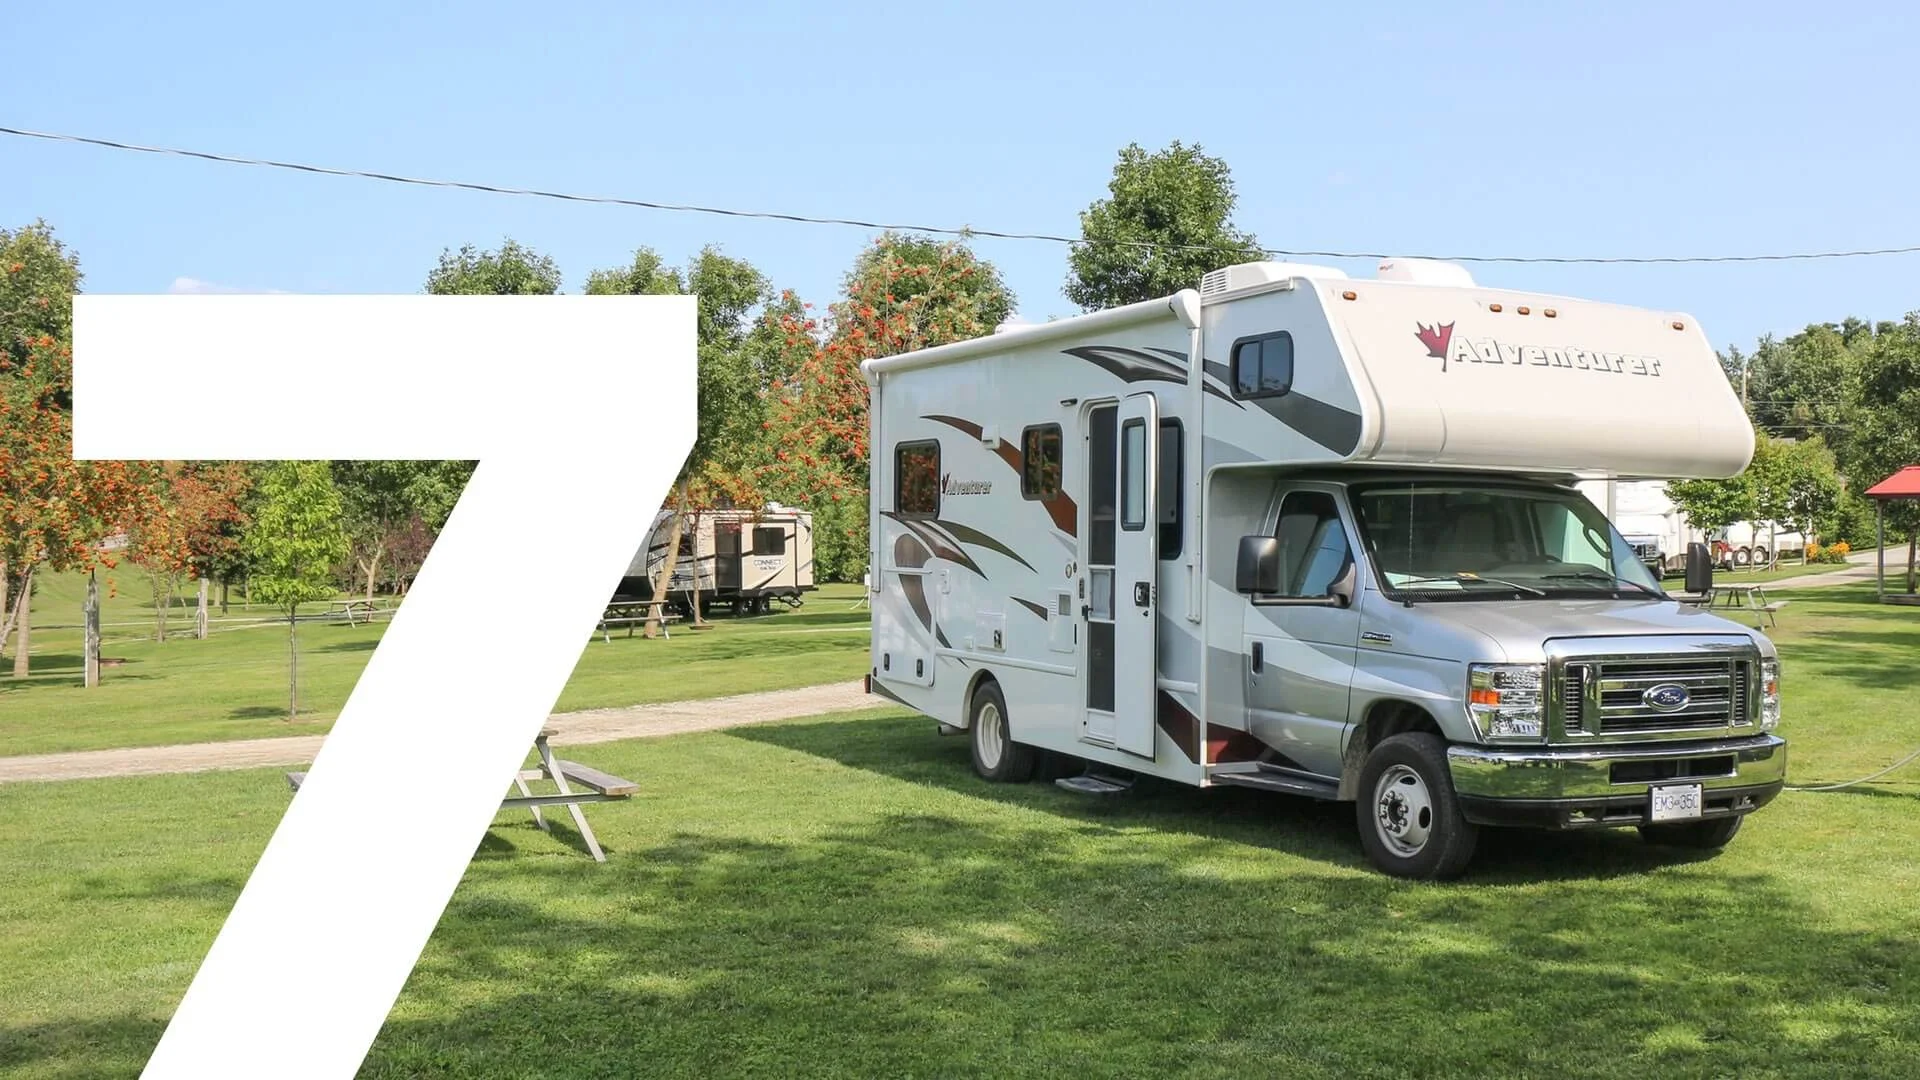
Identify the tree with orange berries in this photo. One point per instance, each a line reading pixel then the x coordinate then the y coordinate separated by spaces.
pixel 904 293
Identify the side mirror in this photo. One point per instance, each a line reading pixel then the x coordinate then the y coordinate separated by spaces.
pixel 1259 567
pixel 1341 591
pixel 1699 568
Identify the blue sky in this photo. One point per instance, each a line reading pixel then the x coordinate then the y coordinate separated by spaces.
pixel 1619 129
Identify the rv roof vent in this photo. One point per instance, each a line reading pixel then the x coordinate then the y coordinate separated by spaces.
pixel 1424 272
pixel 1247 275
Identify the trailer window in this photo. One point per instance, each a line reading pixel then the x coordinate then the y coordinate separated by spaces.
pixel 1040 461
pixel 1263 366
pixel 916 479
pixel 769 540
pixel 1133 475
pixel 1170 489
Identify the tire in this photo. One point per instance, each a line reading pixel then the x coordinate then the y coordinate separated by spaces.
pixel 1743 557
pixel 996 757
pixel 1411 825
pixel 1760 558
pixel 1698 835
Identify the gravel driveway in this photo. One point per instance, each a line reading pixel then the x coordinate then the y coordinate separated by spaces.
pixel 590 726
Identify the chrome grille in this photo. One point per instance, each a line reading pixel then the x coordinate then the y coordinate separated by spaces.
pixel 1608 696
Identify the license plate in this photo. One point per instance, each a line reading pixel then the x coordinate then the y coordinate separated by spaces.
pixel 1678 803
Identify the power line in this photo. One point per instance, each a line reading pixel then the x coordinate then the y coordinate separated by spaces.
pixel 497 189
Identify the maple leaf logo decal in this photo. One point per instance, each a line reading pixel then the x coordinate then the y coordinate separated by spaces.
pixel 1436 338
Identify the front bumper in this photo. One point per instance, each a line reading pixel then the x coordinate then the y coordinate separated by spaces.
pixel 1607 786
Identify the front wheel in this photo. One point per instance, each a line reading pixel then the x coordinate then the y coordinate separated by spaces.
pixel 1410 820
pixel 996 756
pixel 1699 835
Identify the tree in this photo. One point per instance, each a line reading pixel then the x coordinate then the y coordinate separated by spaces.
pixel 1886 425
pixel 192 526
pixel 54 511
pixel 296 540
pixel 38 277
pixel 1166 221
pixel 511 271
pixel 902 296
pixel 1794 483
pixel 380 498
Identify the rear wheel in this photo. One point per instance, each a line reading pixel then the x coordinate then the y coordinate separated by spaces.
pixel 1699 835
pixel 996 756
pixel 1410 820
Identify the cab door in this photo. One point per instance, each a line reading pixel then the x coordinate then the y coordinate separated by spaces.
pixel 1302 641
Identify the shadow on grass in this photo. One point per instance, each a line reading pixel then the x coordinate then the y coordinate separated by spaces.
pixel 110 1046
pixel 364 646
pixel 962 944
pixel 258 712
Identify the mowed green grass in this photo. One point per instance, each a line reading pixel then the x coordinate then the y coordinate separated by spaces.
pixel 233 685
pixel 842 897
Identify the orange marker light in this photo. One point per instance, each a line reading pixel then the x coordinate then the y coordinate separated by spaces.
pixel 1493 307
pixel 1679 326
pixel 1348 296
pixel 1485 697
pixel 1549 313
pixel 1522 311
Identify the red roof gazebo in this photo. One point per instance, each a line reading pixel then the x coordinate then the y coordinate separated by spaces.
pixel 1904 484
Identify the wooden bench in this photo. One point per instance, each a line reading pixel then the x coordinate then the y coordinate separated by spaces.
pixel 1766 611
pixel 599 787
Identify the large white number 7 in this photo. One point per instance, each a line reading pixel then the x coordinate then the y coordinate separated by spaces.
pixel 580 411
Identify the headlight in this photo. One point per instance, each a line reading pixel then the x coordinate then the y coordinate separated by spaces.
pixel 1769 694
pixel 1505 702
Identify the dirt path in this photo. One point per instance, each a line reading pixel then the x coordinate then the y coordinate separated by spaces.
pixel 590 726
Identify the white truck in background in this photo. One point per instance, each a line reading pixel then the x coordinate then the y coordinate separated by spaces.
pixel 1659 532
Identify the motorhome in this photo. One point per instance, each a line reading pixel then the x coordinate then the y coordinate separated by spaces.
pixel 1321 536
pixel 744 560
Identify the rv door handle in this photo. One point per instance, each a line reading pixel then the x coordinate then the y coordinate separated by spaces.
pixel 1259 657
pixel 1142 594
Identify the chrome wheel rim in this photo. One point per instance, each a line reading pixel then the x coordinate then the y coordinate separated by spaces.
pixel 991 740
pixel 1403 811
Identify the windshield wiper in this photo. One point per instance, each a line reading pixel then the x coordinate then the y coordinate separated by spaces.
pixel 1466 577
pixel 1601 575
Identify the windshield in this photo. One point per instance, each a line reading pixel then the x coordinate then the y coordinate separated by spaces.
pixel 1472 541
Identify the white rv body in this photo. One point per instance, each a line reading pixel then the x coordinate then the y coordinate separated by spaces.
pixel 1057 510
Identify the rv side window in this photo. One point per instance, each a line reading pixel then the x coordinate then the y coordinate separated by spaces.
pixel 1170 489
pixel 1313 545
pixel 1133 475
pixel 1040 461
pixel 1263 366
pixel 769 540
pixel 916 479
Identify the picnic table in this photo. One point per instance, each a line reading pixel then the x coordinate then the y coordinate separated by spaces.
pixel 1745 596
pixel 629 611
pixel 597 787
pixel 348 607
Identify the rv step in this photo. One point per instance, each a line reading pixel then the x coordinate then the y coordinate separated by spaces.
pixel 1089 784
pixel 1274 781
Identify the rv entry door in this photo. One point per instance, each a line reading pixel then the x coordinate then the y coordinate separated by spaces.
pixel 1124 451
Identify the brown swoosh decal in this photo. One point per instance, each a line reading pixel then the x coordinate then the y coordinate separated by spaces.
pixel 1033 607
pixel 1223 744
pixel 915 591
pixel 1061 508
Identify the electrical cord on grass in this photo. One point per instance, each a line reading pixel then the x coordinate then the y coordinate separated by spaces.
pixel 1862 780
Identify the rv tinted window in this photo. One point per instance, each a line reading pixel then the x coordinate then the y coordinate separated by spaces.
pixel 769 540
pixel 1263 366
pixel 1040 460
pixel 1313 545
pixel 1133 475
pixel 1170 490
pixel 916 479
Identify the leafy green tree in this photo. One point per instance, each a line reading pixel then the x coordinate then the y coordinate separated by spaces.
pixel 382 499
pixel 1886 426
pixel 1715 503
pixel 513 270
pixel 1794 482
pixel 1166 221
pixel 296 539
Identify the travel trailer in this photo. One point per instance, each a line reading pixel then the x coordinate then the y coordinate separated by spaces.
pixel 1343 557
pixel 1659 532
pixel 745 559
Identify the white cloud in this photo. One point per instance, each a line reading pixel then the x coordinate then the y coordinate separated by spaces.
pixel 187 285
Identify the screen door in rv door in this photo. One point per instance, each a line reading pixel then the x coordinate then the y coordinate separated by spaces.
pixel 1123 451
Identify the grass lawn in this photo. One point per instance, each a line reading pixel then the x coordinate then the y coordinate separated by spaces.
pixel 233 685
pixel 843 897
